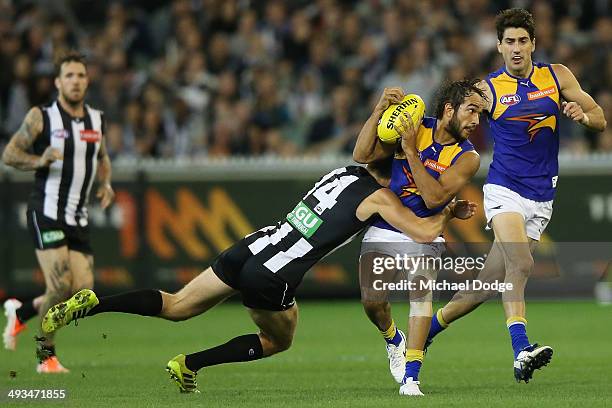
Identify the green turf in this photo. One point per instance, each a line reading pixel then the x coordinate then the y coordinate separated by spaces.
pixel 337 359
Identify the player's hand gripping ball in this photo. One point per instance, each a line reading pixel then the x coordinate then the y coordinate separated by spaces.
pixel 412 104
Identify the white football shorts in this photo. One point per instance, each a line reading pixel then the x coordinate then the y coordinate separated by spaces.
pixel 499 199
pixel 395 243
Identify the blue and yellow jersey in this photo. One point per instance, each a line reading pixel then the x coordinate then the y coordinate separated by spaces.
pixel 524 120
pixel 435 157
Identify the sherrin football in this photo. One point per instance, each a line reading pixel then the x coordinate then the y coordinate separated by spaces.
pixel 412 104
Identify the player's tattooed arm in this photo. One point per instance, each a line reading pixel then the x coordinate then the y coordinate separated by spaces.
pixel 16 151
pixel 578 105
pixel 105 192
pixel 368 147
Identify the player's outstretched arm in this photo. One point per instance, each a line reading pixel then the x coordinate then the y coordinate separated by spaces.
pixel 579 105
pixel 16 152
pixel 385 203
pixel 368 147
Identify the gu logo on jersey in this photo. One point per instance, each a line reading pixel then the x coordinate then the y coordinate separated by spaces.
pixel 52 236
pixel 60 134
pixel 509 99
pixel 304 219
pixel 90 136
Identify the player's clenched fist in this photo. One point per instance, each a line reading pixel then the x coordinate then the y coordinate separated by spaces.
pixel 407 130
pixel 106 195
pixel 574 111
pixel 463 209
pixel 49 156
pixel 389 96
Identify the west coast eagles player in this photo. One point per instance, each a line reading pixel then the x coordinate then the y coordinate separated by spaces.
pixel 434 162
pixel 526 99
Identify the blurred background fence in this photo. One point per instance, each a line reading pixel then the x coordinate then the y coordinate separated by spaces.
pixel 170 220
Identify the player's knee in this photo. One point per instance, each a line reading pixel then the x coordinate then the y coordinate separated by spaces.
pixel 275 344
pixel 176 307
pixel 375 307
pixel 171 307
pixel 521 266
pixel 282 343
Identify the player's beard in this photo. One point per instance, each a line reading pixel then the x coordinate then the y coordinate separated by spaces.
pixel 74 102
pixel 454 129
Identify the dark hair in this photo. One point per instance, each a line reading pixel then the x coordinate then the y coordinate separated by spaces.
pixel 514 18
pixel 382 167
pixel 455 93
pixel 70 56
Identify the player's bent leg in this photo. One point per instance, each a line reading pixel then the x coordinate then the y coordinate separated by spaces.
pixel 378 309
pixel 375 302
pixel 418 322
pixel 511 235
pixel 464 302
pixel 277 329
pixel 55 266
pixel 199 295
pixel 511 238
pixel 202 293
pixel 379 313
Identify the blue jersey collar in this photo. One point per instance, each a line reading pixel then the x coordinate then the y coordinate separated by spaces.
pixel 516 77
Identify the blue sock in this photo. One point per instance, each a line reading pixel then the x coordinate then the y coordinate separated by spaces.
pixel 414 360
pixel 518 335
pixel 392 335
pixel 412 369
pixel 396 340
pixel 436 325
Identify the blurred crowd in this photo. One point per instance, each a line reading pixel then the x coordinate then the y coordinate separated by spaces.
pixel 215 78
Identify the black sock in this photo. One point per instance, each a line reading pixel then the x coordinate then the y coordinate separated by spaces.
pixel 26 311
pixel 241 348
pixel 44 352
pixel 146 302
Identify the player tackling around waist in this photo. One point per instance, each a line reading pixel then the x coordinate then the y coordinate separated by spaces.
pixel 266 267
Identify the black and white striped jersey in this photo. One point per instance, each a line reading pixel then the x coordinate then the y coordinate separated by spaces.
pixel 321 222
pixel 61 191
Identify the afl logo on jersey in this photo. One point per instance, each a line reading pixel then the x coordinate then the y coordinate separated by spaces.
pixel 60 134
pixel 510 99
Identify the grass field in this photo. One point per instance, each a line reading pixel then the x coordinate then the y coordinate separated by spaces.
pixel 338 359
